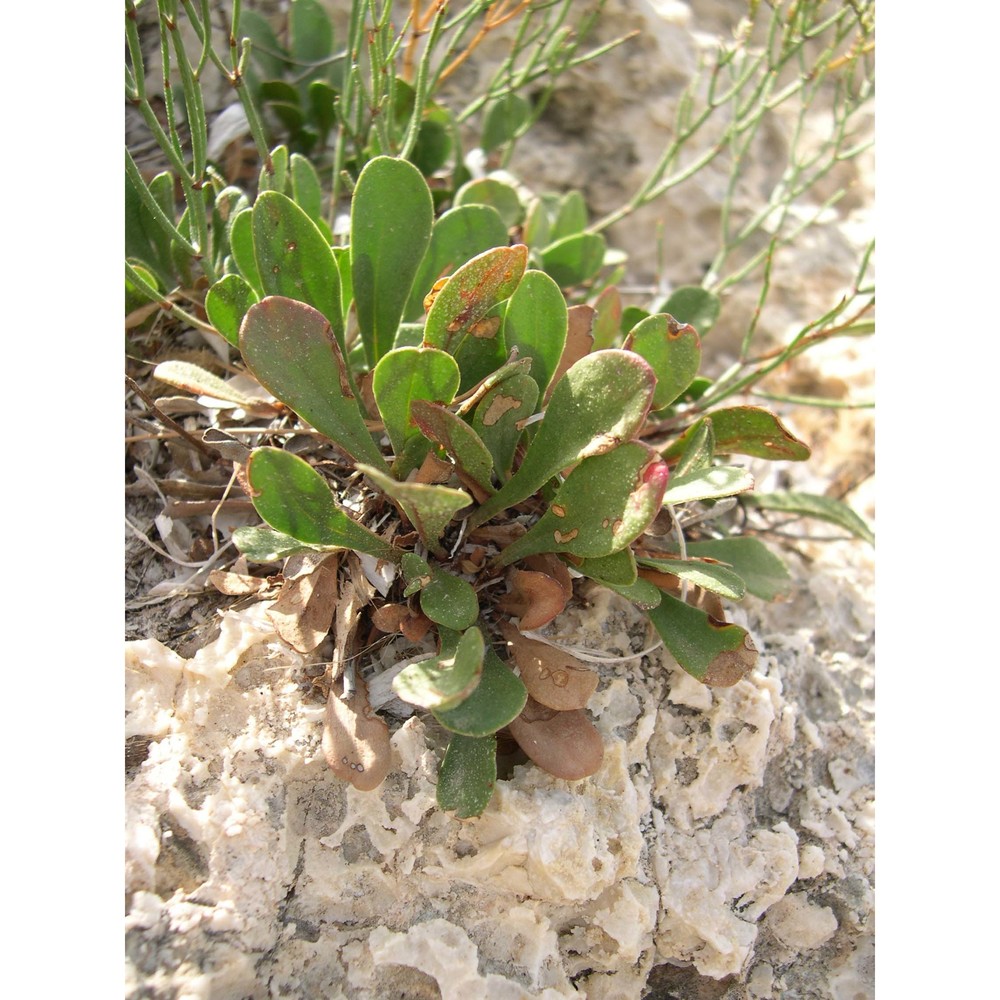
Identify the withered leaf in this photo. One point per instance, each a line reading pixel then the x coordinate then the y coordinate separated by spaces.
pixel 535 598
pixel 553 677
pixel 579 342
pixel 566 745
pixel 355 739
pixel 731 665
pixel 303 613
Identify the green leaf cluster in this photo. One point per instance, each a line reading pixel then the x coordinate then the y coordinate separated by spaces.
pixel 491 415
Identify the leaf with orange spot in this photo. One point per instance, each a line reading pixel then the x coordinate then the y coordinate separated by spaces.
pixel 747 430
pixel 674 351
pixel 716 653
pixel 605 503
pixel 598 404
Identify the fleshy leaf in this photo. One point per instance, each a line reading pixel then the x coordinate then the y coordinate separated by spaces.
pixel 497 418
pixel 708 484
pixel 695 305
pixel 241 247
pixel 391 217
pixel 458 320
pixel 468 775
pixel 606 502
pixel 294 259
pixel 570 216
pixel 765 575
pixel 227 303
pixel 698 451
pixel 813 505
pixel 472 458
pixel 579 342
pixel 709 576
pixel 535 322
pixel 618 568
pixel 497 700
pixel 449 600
pixel 714 652
pixel 553 677
pixel 608 317
pixel 291 350
pixel 408 374
pixel 458 236
pixel 598 404
pixel 748 430
pixel 504 117
pixel 263 544
pixel 489 191
pixel 295 499
pixel 306 189
pixel 428 508
pixel 443 681
pixel 574 259
pixel 642 593
pixel 672 349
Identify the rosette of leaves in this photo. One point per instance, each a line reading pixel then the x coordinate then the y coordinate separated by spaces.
pixel 494 449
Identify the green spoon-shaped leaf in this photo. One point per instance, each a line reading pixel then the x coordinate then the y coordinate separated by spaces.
pixel 708 576
pixel 599 403
pixel 765 575
pixel 443 681
pixel 605 503
pixel 294 258
pixel 574 259
pixel 497 700
pixel 291 350
pixel 714 652
pixel 471 456
pixel 468 775
pixel 241 247
pixel 672 349
pixel 429 508
pixel 293 498
pixel 445 598
pixel 391 217
pixel 459 235
pixel 708 484
pixel 408 374
pixel 535 322
pixel 470 293
pixel 747 430
pixel 227 303
pixel 497 418
pixel 490 191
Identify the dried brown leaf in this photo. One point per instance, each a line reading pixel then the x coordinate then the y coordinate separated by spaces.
pixel 303 613
pixel 553 677
pixel 355 739
pixel 535 598
pixel 579 342
pixel 566 745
